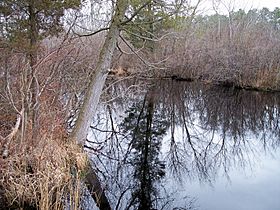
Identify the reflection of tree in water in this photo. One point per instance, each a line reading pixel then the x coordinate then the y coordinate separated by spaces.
pixel 145 127
pixel 220 128
pixel 201 130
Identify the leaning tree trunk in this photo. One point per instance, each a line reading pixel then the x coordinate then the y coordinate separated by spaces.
pixel 97 82
pixel 92 97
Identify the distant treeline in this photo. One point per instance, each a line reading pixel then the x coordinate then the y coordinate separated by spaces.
pixel 240 49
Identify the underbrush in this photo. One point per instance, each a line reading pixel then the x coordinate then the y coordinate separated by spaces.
pixel 42 169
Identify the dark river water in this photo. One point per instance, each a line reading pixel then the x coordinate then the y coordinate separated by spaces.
pixel 179 145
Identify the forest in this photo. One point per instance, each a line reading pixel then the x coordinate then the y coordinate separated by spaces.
pixel 61 59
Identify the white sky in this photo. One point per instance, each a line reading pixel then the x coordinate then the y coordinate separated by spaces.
pixel 271 4
pixel 207 5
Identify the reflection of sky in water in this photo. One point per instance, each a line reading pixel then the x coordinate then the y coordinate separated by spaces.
pixel 257 188
pixel 252 177
pixel 253 186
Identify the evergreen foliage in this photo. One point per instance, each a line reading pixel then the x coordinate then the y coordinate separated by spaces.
pixel 23 20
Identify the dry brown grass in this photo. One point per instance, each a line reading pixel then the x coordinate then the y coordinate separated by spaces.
pixel 45 176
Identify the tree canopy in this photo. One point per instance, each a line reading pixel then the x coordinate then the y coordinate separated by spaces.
pixel 19 20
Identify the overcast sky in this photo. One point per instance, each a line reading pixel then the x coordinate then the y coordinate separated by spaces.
pixel 271 4
pixel 238 4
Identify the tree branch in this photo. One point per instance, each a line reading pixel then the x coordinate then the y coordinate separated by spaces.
pixel 153 65
pixel 91 34
pixel 148 38
pixel 136 13
pixel 9 138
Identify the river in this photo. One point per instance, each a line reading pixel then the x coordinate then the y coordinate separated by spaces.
pixel 164 144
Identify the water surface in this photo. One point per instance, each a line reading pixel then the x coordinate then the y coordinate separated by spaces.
pixel 178 145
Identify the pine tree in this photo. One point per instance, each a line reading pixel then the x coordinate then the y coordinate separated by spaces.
pixel 25 22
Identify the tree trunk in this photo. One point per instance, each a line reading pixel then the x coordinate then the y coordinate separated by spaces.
pixel 32 106
pixel 97 82
pixel 92 97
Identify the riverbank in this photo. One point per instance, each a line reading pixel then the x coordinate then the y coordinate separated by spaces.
pixel 230 84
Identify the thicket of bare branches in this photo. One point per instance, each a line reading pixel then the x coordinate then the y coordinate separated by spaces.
pixel 38 170
pixel 239 49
